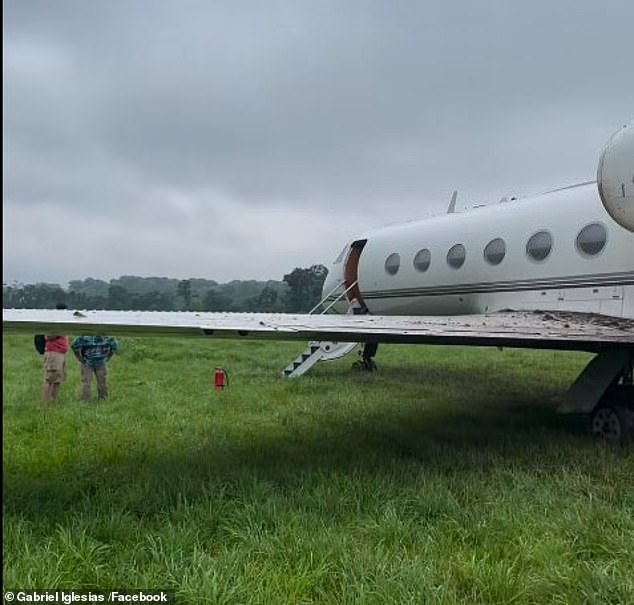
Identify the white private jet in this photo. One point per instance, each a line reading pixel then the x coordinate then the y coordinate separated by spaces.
pixel 555 271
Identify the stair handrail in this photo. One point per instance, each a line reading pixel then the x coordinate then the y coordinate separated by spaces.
pixel 334 302
pixel 337 286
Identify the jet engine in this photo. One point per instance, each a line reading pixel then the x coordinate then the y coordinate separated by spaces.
pixel 615 177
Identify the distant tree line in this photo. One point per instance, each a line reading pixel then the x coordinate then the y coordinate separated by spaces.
pixel 299 291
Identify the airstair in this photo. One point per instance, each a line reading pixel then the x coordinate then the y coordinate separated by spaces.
pixel 320 350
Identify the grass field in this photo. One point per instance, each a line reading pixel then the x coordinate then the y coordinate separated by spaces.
pixel 446 477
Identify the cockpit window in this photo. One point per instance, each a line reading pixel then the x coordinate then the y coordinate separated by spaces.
pixel 341 255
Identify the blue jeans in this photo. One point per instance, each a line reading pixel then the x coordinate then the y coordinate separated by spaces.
pixel 100 373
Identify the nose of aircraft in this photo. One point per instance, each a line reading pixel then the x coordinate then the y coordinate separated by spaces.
pixel 334 283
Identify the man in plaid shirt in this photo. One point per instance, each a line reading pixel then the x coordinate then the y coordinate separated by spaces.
pixel 94 352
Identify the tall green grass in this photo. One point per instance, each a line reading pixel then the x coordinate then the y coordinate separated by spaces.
pixel 446 477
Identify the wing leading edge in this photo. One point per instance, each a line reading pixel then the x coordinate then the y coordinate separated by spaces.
pixel 539 330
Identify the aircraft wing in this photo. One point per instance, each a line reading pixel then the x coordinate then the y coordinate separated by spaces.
pixel 541 330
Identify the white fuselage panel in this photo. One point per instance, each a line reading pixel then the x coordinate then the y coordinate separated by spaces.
pixel 567 278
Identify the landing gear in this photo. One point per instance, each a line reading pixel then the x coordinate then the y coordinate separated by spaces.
pixel 609 423
pixel 613 418
pixel 604 392
pixel 366 363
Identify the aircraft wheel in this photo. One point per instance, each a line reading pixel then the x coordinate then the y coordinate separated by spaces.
pixel 611 422
pixel 364 365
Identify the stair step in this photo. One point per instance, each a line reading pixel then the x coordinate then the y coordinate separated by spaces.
pixel 316 351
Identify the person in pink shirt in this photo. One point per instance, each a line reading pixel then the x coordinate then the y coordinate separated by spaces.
pixel 55 349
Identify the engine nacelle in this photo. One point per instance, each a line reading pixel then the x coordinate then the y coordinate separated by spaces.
pixel 615 177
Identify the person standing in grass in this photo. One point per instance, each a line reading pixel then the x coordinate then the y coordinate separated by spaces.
pixel 55 349
pixel 93 353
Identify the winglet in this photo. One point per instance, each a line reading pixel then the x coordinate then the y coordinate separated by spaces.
pixel 452 203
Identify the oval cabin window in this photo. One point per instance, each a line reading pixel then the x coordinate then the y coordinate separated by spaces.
pixel 456 256
pixel 495 251
pixel 392 263
pixel 591 239
pixel 539 245
pixel 422 260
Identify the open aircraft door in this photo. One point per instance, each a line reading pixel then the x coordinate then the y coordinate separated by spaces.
pixel 351 271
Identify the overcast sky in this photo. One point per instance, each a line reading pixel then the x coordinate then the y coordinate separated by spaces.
pixel 240 139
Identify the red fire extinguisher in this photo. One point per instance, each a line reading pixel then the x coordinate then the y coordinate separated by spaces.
pixel 220 379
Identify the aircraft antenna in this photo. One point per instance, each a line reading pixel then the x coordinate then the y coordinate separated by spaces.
pixel 452 204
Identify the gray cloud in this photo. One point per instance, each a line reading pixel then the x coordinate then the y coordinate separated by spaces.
pixel 241 139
